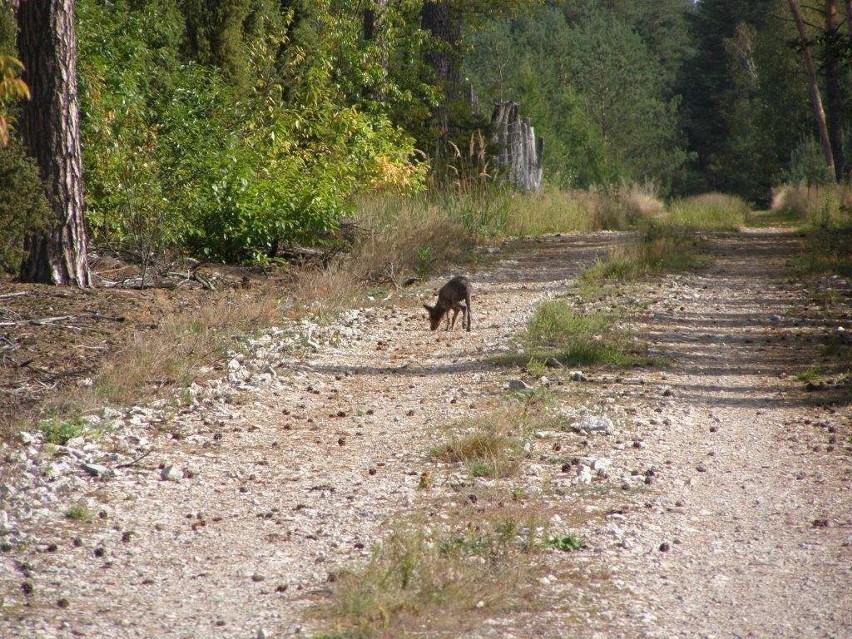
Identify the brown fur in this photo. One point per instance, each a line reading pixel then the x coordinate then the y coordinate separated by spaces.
pixel 450 298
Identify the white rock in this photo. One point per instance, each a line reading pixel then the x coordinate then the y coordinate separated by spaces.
pixel 602 465
pixel 594 423
pixel 111 413
pixel 584 474
pixel 171 473
pixel 517 385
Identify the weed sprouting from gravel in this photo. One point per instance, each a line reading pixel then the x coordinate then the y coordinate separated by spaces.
pixel 61 431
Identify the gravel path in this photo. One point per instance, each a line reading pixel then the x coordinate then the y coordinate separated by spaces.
pixel 726 511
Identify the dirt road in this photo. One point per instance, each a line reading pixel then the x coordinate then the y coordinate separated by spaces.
pixel 725 509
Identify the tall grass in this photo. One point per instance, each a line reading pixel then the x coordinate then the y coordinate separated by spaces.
pixel 708 212
pixel 551 211
pixel 815 205
pixel 401 235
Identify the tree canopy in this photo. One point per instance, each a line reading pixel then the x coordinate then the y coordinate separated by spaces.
pixel 229 128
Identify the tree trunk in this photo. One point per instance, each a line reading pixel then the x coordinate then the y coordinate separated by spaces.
pixel 833 71
pixel 519 153
pixel 816 99
pixel 373 18
pixel 443 20
pixel 50 127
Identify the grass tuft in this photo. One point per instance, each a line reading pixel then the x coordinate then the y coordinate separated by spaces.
pixel 575 339
pixel 487 452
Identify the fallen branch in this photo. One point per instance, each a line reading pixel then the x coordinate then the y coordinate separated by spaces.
pixel 135 461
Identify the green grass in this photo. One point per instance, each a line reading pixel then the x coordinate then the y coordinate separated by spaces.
pixel 566 543
pixel 574 338
pixel 80 512
pixel 809 374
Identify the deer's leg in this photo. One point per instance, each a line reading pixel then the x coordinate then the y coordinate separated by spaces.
pixel 455 314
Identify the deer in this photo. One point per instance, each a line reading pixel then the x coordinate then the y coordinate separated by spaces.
pixel 450 298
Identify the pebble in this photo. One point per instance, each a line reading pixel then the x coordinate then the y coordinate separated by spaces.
pixel 171 472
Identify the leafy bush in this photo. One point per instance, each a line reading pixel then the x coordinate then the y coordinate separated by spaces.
pixel 178 158
pixel 23 205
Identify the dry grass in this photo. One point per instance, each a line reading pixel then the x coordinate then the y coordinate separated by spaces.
pixel 321 291
pixel 445 579
pixel 640 201
pixel 489 448
pixel 456 562
pixel 155 363
pixel 814 205
pixel 400 236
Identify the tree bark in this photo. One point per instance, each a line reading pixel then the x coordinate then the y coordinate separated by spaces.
pixel 816 98
pixel 50 127
pixel 373 18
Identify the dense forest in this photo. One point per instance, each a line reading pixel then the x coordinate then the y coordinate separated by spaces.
pixel 228 128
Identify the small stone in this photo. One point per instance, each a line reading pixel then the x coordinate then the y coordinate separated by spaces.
pixel 171 472
pixel 578 376
pixel 665 547
pixel 701 468
pixel 668 392
pixel 552 362
pixel 594 423
pixel 63 602
pixel 257 578
pixel 97 470
pixel 516 385
pixel 27 588
pixel 820 523
pixel 584 474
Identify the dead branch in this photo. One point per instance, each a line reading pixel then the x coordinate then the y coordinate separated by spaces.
pixel 136 460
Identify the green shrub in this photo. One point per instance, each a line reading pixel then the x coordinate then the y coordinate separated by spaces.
pixel 23 206
pixel 61 431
